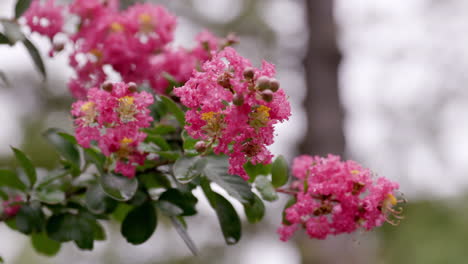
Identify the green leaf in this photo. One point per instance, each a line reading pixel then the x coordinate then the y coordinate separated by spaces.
pixel 255 211
pixel 228 218
pixel 3 195
pixel 288 204
pixel 119 187
pixel 97 201
pixel 72 227
pixel 158 141
pixel 10 179
pixel 27 165
pixel 29 219
pixel 1 260
pixel 189 142
pixel 21 7
pixel 169 208
pixel 217 171
pixel 50 178
pixel 99 233
pixel 258 169
pixel 279 172
pixel 140 224
pixel 44 245
pixel 266 189
pixel 35 56
pixel 160 129
pixel 95 157
pixel 185 201
pixel 121 211
pixel 174 109
pixel 4 39
pixel 12 31
pixel 179 227
pixel 50 195
pixel 185 168
pixel 65 145
pixel 169 155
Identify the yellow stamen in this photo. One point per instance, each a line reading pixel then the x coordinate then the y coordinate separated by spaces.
pixel 125 148
pixel 354 172
pixel 214 122
pixel 116 27
pixel 125 141
pixel 146 23
pixel 260 117
pixel 127 109
pixel 144 18
pixel 97 53
pixel 208 116
pixel 87 106
pixel 89 111
pixel 391 199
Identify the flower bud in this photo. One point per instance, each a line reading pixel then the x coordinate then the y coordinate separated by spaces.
pixel 200 146
pixel 58 47
pixel 267 96
pixel 274 85
pixel 107 86
pixel 238 99
pixel 132 87
pixel 249 73
pixel 223 80
pixel 263 83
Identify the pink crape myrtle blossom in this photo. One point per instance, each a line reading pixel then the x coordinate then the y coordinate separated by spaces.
pixel 45 17
pixel 334 197
pixel 234 107
pixel 113 116
pixel 12 206
pixel 89 9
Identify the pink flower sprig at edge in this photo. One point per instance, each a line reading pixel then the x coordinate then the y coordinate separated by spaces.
pixel 233 108
pixel 334 197
pixel 113 116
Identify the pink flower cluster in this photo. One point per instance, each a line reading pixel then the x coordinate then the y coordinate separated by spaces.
pixel 12 206
pixel 135 43
pixel 45 18
pixel 112 116
pixel 233 108
pixel 334 197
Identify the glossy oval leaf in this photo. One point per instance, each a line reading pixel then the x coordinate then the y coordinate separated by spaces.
pixel 29 219
pixel 97 201
pixel 279 172
pixel 119 187
pixel 174 109
pixel 21 7
pixel 185 201
pixel 35 56
pixel 255 211
pixel 185 168
pixel 228 219
pixel 71 227
pixel 139 224
pixel 216 170
pixel 65 145
pixel 50 195
pixel 11 179
pixel 45 245
pixel 266 189
pixel 27 165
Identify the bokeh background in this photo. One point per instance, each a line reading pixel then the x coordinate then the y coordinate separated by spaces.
pixel 382 82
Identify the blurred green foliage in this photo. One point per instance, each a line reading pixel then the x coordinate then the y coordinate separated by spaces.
pixel 433 232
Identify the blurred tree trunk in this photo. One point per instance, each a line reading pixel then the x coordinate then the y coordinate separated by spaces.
pixel 325 126
pixel 324 111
